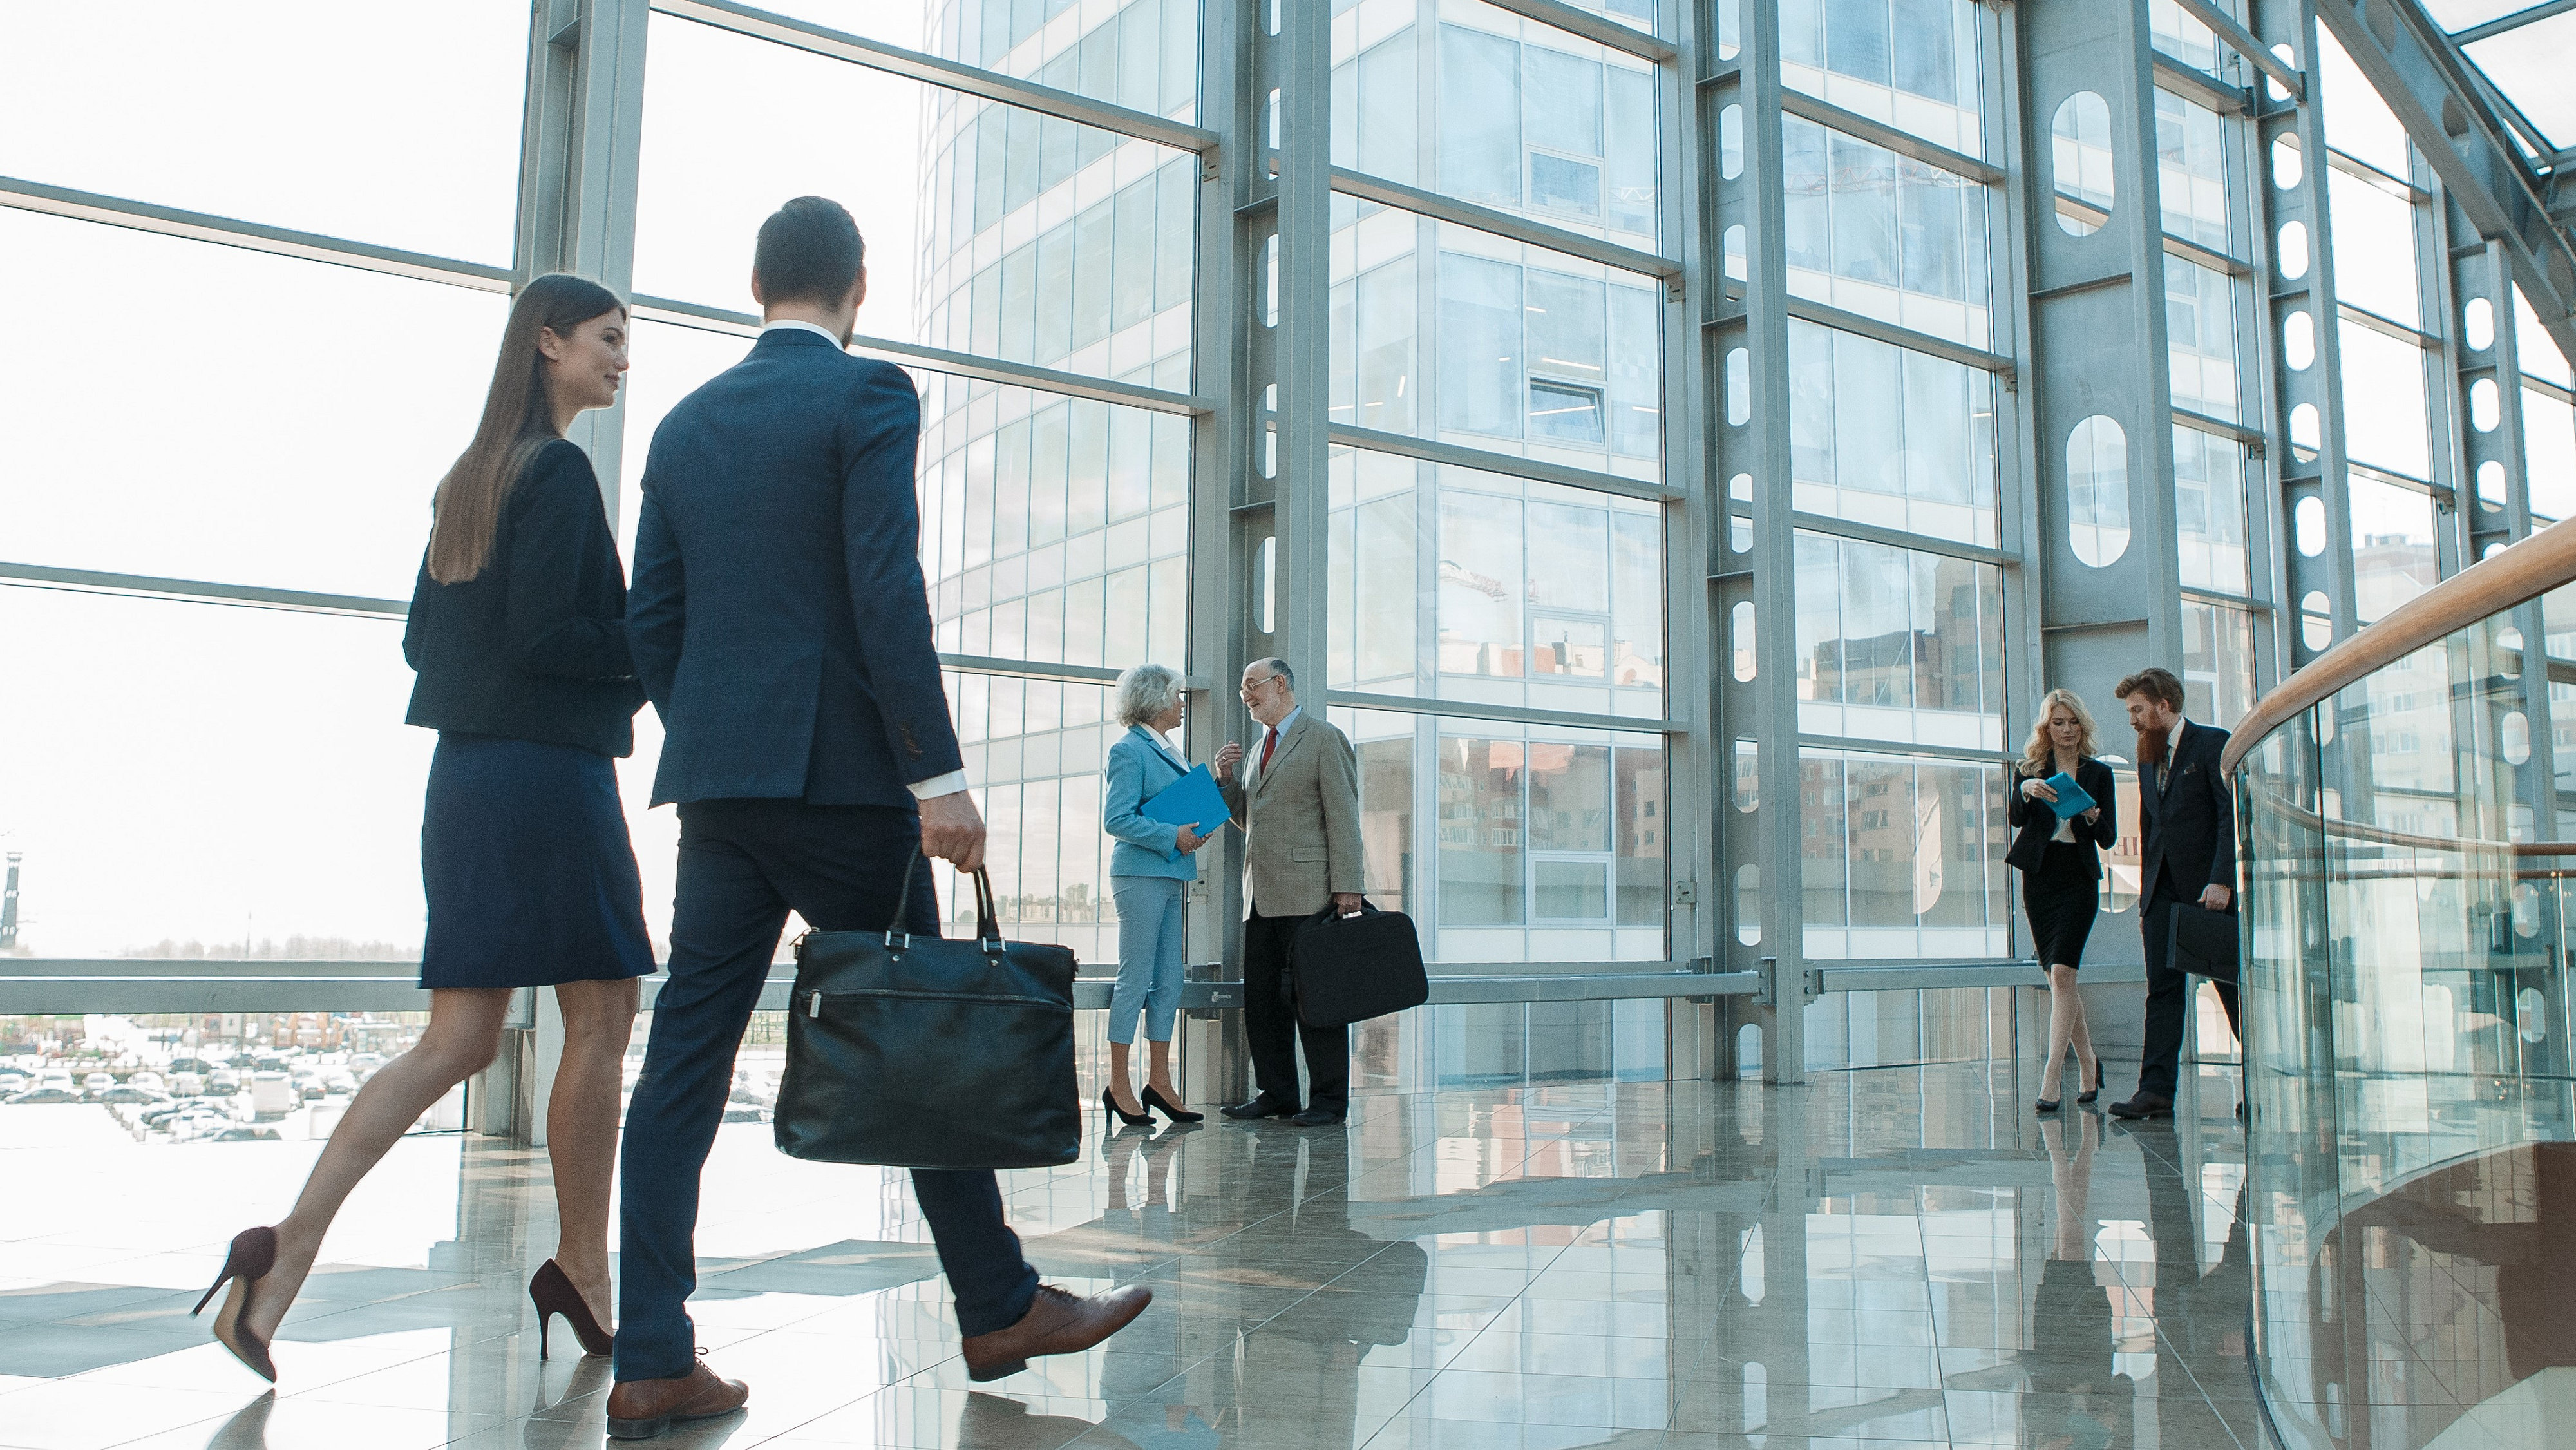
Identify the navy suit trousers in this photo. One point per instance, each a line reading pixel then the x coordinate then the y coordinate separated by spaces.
pixel 743 865
pixel 2168 997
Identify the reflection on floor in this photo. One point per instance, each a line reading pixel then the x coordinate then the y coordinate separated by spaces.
pixel 1878 1260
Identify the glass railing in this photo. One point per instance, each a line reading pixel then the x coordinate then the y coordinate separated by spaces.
pixel 2407 924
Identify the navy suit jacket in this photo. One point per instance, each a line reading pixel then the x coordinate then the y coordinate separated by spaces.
pixel 2191 823
pixel 778 616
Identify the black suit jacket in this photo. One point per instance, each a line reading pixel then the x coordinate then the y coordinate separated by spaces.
pixel 2034 821
pixel 779 617
pixel 534 647
pixel 2190 825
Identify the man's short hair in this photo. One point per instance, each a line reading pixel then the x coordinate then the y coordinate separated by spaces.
pixel 809 251
pixel 1280 668
pixel 2159 684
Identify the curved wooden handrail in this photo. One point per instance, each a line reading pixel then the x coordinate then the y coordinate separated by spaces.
pixel 2525 571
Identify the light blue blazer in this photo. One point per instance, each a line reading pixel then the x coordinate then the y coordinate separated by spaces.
pixel 1140 766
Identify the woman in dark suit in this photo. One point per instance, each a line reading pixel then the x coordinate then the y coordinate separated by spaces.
pixel 518 633
pixel 2061 872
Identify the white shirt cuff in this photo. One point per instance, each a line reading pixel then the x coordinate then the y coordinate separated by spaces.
pixel 939 785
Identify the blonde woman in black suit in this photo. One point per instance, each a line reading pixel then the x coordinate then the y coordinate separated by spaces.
pixel 2061 872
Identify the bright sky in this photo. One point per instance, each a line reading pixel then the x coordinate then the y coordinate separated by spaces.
pixel 204 412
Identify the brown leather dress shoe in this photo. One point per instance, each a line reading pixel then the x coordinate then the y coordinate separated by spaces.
pixel 1057 1323
pixel 642 1409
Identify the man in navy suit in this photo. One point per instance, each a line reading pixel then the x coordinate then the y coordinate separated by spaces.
pixel 2189 856
pixel 780 624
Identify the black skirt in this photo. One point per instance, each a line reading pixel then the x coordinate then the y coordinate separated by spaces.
pixel 2061 899
pixel 530 875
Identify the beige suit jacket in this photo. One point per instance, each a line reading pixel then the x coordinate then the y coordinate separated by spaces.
pixel 1300 820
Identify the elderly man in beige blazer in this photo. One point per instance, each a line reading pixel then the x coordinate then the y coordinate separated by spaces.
pixel 1299 808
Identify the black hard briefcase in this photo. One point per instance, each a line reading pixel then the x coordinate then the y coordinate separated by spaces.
pixel 2202 942
pixel 1343 971
pixel 923 1052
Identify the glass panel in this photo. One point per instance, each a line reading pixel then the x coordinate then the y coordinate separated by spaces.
pixel 2392 545
pixel 2528 65
pixel 2374 248
pixel 2191 178
pixel 1897 645
pixel 1053 528
pixel 1912 449
pixel 2209 509
pixel 2080 153
pixel 1035 750
pixel 2549 455
pixel 1141 54
pixel 2217 662
pixel 378 123
pixel 1902 857
pixel 2358 123
pixel 2383 401
pixel 1043 241
pixel 1538 354
pixel 1451 583
pixel 239 475
pixel 2178 35
pixel 1909 63
pixel 1884 235
pixel 2534 348
pixel 2200 331
pixel 282 821
pixel 1522 116
pixel 1550 844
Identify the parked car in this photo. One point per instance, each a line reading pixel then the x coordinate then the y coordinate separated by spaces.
pixel 223 1080
pixel 14 1082
pixel 129 1093
pixel 37 1095
pixel 97 1082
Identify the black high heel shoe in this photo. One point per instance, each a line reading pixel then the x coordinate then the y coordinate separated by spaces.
pixel 1109 1101
pixel 552 1292
pixel 1155 1102
pixel 2095 1091
pixel 252 1255
pixel 2045 1105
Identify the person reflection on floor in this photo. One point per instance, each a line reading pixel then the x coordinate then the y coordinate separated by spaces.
pixel 1148 1353
pixel 2076 1401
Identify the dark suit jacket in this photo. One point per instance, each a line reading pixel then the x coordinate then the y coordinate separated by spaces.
pixel 2190 825
pixel 534 647
pixel 779 618
pixel 2035 821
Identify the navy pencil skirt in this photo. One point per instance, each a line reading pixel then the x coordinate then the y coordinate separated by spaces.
pixel 525 860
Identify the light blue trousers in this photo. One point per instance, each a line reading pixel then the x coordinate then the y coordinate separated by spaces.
pixel 1149 955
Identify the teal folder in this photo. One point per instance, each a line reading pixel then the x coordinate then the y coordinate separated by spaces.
pixel 1192 801
pixel 2071 800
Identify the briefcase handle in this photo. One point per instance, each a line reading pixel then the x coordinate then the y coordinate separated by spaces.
pixel 988 917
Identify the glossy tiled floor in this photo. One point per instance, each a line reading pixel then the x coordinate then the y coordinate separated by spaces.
pixel 1874 1261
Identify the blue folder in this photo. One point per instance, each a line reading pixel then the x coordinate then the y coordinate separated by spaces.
pixel 2071 800
pixel 1192 801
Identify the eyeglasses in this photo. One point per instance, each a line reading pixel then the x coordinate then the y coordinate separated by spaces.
pixel 1256 685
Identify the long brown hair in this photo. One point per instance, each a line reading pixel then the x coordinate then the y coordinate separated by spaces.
pixel 518 419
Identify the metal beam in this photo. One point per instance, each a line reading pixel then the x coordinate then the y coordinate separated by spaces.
pixel 1807 310
pixel 1514 714
pixel 1916 543
pixel 2424 78
pixel 2201 86
pixel 2518 19
pixel 197 226
pixel 1501 223
pixel 200 591
pixel 934 70
pixel 941 360
pixel 1879 133
pixel 1433 451
pixel 2238 39
pixel 1592 26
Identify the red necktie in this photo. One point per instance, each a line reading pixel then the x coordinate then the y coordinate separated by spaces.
pixel 1269 742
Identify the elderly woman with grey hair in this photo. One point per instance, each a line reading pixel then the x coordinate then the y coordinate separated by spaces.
pixel 1149 873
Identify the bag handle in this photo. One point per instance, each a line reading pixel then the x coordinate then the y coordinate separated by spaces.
pixel 988 917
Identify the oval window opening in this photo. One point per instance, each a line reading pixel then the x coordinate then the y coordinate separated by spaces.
pixel 2288 166
pixel 2304 430
pixel 1741 627
pixel 2309 516
pixel 2097 490
pixel 2509 658
pixel 2486 405
pixel 2477 324
pixel 2513 737
pixel 1748 904
pixel 2316 620
pixel 2294 250
pixel 2080 154
pixel 2299 341
pixel 1739 388
pixel 1748 775
pixel 1730 142
pixel 2491 484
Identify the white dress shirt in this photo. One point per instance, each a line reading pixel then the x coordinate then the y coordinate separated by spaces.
pixel 938 785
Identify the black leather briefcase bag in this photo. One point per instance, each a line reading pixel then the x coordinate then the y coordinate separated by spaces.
pixel 1342 971
pixel 925 1052
pixel 2202 942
